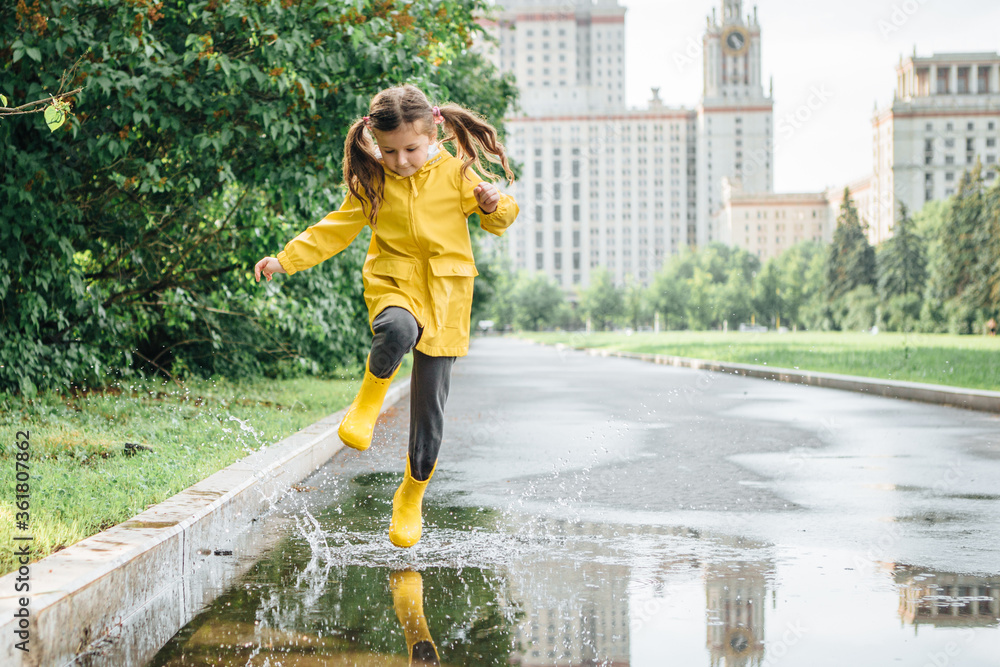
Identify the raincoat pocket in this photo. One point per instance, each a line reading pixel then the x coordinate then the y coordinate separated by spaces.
pixel 450 284
pixel 389 280
pixel 393 267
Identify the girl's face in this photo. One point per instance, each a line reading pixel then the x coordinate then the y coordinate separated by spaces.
pixel 404 150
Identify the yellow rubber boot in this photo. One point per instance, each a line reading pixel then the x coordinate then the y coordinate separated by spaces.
pixel 407 524
pixel 408 600
pixel 358 424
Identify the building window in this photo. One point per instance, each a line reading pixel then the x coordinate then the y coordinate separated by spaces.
pixel 557 213
pixel 538 169
pixel 539 261
pixel 950 176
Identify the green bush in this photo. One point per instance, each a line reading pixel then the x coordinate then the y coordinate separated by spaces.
pixel 206 135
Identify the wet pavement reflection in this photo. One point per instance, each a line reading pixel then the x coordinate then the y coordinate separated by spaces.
pixel 803 552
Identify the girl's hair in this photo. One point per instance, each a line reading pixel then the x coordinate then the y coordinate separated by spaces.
pixel 405 104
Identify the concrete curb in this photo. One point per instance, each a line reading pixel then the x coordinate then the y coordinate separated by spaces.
pixel 84 592
pixel 970 399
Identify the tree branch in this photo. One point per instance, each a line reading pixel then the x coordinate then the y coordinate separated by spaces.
pixel 26 108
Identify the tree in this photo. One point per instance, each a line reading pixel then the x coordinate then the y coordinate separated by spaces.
pixel 538 302
pixel 500 304
pixel 668 294
pixel 851 262
pixel 901 264
pixel 985 282
pixel 603 301
pixel 734 298
pixel 701 300
pixel 801 283
pixel 768 301
pixel 929 224
pixel 206 135
pixel 954 297
pixel 636 306
pixel 963 233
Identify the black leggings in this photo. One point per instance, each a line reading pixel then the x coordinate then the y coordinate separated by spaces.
pixel 396 333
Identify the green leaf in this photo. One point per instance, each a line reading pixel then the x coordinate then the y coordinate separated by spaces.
pixel 33 53
pixel 3 100
pixel 54 117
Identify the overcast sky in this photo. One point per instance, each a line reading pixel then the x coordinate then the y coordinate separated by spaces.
pixel 843 50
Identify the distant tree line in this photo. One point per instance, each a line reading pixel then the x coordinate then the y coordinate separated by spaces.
pixel 939 272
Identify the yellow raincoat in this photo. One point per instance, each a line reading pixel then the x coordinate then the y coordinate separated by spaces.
pixel 420 256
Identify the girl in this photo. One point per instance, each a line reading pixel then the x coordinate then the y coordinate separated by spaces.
pixel 419 270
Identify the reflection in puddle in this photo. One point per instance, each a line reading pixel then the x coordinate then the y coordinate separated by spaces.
pixel 485 587
pixel 736 594
pixel 946 600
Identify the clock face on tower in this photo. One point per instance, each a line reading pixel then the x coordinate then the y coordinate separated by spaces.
pixel 735 42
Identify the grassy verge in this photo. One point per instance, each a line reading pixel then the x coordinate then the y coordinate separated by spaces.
pixel 961 361
pixel 81 480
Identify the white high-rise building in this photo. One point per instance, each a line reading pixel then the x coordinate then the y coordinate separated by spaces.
pixel 735 128
pixel 567 56
pixel 623 189
pixel 945 116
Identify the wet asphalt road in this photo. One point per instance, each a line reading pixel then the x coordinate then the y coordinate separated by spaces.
pixel 602 511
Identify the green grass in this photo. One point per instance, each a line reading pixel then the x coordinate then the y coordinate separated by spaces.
pixel 81 481
pixel 959 361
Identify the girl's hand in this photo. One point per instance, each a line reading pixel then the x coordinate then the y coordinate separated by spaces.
pixel 488 196
pixel 268 266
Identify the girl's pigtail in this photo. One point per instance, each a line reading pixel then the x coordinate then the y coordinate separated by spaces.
pixel 362 172
pixel 472 136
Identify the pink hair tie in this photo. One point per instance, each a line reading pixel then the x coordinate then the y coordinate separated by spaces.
pixel 367 120
pixel 436 111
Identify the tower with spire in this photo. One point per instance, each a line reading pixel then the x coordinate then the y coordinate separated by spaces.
pixel 735 117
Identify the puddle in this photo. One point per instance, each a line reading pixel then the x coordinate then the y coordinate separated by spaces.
pixel 491 587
